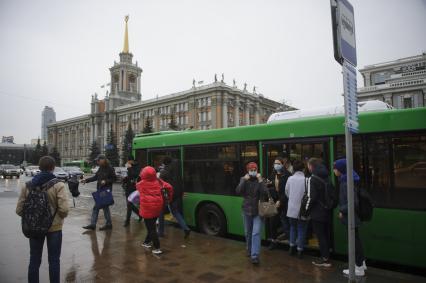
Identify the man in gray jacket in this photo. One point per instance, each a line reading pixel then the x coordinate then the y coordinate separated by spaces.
pixel 251 188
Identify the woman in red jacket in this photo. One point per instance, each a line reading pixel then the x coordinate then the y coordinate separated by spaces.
pixel 152 204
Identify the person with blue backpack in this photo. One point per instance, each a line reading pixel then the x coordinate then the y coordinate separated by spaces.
pixel 43 205
pixel 340 172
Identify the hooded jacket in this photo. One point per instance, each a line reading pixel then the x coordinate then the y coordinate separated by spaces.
pixel 151 197
pixel 317 194
pixel 57 195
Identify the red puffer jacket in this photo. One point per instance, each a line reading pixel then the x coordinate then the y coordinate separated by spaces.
pixel 151 197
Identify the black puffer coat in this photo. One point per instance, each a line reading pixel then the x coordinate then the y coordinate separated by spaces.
pixel 105 173
pixel 319 179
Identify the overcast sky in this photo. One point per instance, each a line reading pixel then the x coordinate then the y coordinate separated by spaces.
pixel 57 53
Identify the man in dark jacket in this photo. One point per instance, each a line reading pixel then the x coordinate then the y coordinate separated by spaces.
pixel 251 188
pixel 320 215
pixel 129 186
pixel 105 177
pixel 170 172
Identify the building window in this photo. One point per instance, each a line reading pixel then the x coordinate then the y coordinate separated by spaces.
pixel 408 102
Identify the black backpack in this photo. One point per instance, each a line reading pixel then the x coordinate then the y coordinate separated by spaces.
pixel 365 205
pixel 331 199
pixel 37 215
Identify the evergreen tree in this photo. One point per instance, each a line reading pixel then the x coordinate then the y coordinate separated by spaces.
pixel 111 151
pixel 127 144
pixel 55 155
pixel 44 149
pixel 173 125
pixel 37 153
pixel 148 127
pixel 94 152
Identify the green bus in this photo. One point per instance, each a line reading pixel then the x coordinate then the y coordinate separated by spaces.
pixel 83 165
pixel 389 155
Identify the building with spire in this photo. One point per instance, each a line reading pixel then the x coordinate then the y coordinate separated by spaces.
pixel 203 106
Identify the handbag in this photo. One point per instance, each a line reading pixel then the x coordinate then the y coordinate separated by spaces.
pixel 103 197
pixel 267 208
pixel 134 198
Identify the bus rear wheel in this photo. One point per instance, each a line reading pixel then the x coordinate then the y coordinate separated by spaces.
pixel 211 220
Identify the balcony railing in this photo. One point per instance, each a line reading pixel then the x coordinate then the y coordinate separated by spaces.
pixel 393 85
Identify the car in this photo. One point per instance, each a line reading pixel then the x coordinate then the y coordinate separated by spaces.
pixel 60 173
pixel 94 169
pixel 8 170
pixel 120 173
pixel 31 170
pixel 74 170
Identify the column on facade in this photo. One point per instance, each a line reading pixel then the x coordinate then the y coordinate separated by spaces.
pixel 237 111
pixel 257 113
pixel 247 113
pixel 224 111
pixel 213 110
pixel 367 79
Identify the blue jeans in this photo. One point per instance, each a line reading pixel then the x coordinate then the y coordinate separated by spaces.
pixel 297 227
pixel 54 243
pixel 95 214
pixel 174 207
pixel 252 227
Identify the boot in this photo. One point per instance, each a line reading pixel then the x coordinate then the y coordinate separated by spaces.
pixel 106 227
pixel 89 227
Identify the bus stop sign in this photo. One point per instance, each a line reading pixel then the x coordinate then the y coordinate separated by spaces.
pixel 342 16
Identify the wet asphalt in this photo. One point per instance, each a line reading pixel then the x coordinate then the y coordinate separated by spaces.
pixel 116 256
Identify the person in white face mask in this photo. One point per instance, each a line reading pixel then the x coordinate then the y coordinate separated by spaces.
pixel 251 188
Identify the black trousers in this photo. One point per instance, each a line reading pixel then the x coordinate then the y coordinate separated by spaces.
pixel 322 231
pixel 359 252
pixel 152 235
pixel 131 208
pixel 272 224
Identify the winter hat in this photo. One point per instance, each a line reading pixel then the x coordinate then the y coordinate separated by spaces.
pixel 251 165
pixel 340 165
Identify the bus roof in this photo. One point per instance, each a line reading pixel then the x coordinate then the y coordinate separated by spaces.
pixel 393 120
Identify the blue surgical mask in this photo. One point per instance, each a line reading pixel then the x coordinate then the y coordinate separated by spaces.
pixel 278 167
pixel 252 173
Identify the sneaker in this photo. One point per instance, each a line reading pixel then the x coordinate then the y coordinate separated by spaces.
pixel 187 232
pixel 255 260
pixel 282 237
pixel 147 245
pixel 157 252
pixel 89 227
pixel 105 227
pixel 364 265
pixel 322 263
pixel 359 271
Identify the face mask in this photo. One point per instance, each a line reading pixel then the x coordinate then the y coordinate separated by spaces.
pixel 278 167
pixel 252 173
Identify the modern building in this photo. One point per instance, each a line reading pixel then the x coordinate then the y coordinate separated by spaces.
pixel 48 116
pixel 209 106
pixel 400 83
pixel 15 154
pixel 7 139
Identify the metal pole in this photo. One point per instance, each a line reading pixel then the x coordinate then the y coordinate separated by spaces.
pixel 350 190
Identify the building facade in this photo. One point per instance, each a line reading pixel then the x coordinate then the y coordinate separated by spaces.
pixel 209 106
pixel 7 139
pixel 48 116
pixel 400 83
